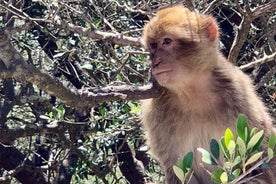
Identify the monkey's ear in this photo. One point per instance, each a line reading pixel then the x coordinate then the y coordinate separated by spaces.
pixel 211 28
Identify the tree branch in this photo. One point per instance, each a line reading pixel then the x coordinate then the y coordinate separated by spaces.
pixel 124 92
pixel 244 27
pixel 21 71
pixel 115 37
pixel 241 34
pixel 264 9
pixel 265 59
pixel 9 135
pixel 211 6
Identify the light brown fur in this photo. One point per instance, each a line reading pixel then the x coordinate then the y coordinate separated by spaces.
pixel 202 92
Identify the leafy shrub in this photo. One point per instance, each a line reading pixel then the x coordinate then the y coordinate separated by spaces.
pixel 241 155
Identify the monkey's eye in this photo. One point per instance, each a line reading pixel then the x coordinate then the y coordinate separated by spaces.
pixel 153 45
pixel 167 41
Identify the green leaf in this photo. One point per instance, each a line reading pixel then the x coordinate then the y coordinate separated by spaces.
pixel 242 127
pixel 51 115
pixel 228 136
pixel 87 26
pixel 237 160
pixel 255 140
pixel 214 147
pixel 236 173
pixel 270 154
pixel 231 147
pixel 206 156
pixel 253 158
pixel 257 147
pixel 180 163
pixel 228 165
pixel 116 46
pixel 223 148
pixel 179 173
pixel 272 141
pixel 102 111
pixel 188 162
pixel 224 177
pixel 135 109
pixel 61 111
pixel 215 175
pixel 241 146
pixel 253 132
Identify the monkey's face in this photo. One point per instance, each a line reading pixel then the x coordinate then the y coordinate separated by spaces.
pixel 160 56
pixel 171 60
pixel 180 42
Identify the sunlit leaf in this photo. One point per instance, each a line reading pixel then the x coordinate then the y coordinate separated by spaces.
pixel 255 140
pixel 231 147
pixel 254 158
pixel 134 108
pixel 180 163
pixel 224 177
pixel 61 111
pixel 272 141
pixel 228 136
pixel 179 173
pixel 215 175
pixel 253 132
pixel 270 154
pixel 206 156
pixel 116 46
pixel 237 160
pixel 241 146
pixel 236 173
pixel 228 164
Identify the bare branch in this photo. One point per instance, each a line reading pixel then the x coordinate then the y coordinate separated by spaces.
pixel 124 92
pixel 265 59
pixel 211 6
pixel 9 135
pixel 117 38
pixel 264 9
pixel 241 35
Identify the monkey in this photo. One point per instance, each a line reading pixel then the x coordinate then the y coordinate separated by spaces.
pixel 202 93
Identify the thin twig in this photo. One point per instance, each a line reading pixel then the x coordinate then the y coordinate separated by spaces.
pixel 265 59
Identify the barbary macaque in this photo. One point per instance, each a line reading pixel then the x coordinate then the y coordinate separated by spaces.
pixel 202 93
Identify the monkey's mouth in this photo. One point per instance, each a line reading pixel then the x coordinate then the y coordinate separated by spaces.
pixel 156 72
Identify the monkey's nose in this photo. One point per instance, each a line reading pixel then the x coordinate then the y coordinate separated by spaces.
pixel 156 62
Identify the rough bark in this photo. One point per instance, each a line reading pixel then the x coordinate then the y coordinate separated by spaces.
pixel 129 166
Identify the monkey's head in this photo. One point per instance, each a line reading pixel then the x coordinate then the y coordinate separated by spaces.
pixel 181 44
